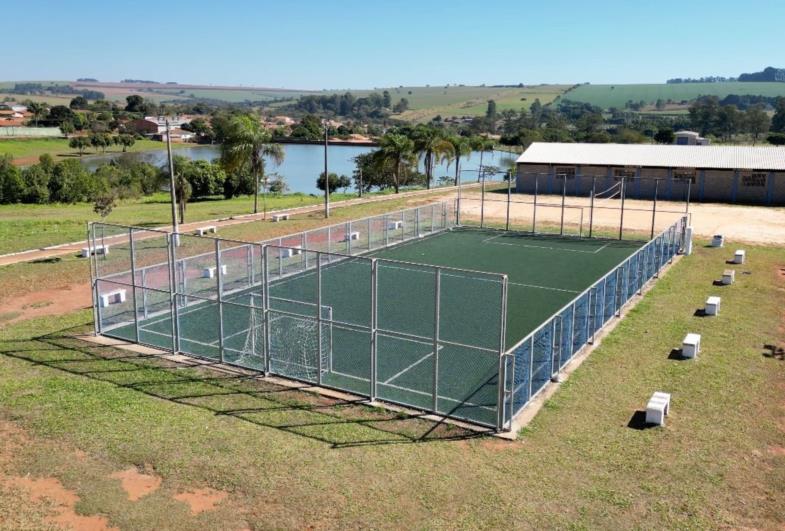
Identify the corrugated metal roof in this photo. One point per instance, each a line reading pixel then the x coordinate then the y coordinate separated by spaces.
pixel 669 156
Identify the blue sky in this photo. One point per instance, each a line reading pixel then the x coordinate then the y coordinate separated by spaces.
pixel 363 44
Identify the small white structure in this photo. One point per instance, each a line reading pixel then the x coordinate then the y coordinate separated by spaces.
pixel 739 257
pixel 395 225
pixel 658 408
pixel 352 236
pixel 689 138
pixel 290 252
pixel 728 277
pixel 718 240
pixel 691 346
pixel 713 306
pixel 280 217
pixel 112 297
pixel 201 231
pixel 209 272
pixel 688 238
pixel 98 249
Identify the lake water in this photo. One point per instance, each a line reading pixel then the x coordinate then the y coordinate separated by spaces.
pixel 304 163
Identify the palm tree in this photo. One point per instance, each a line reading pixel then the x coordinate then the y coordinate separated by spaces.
pixel 481 144
pixel 246 144
pixel 433 146
pixel 460 147
pixel 396 152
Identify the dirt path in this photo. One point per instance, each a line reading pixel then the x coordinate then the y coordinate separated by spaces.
pixel 49 302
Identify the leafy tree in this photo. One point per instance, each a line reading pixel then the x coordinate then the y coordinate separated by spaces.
pixel 386 99
pixel 67 128
pixel 105 203
pixel 776 139
pixel 704 113
pixel 401 106
pixel 36 179
pixel 134 103
pixel 664 136
pixel 481 144
pixel 778 120
pixel 460 146
pixel 59 114
pixel 39 110
pixel 278 185
pixel 757 121
pixel 100 140
pixel 490 111
pixel 246 144
pixel 729 121
pixel 79 143
pixel 79 102
pixel 206 179
pixel 11 183
pixel 434 147
pixel 335 182
pixel 126 141
pixel 72 183
pixel 309 128
pixel 396 155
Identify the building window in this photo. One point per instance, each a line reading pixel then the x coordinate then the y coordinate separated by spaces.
pixel 567 172
pixel 684 175
pixel 756 179
pixel 626 173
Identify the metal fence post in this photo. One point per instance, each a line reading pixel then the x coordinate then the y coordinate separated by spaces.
pixel 531 366
pixel 93 275
pixel 654 206
pixel 623 195
pixel 509 199
pixel 133 283
pixel 502 377
pixel 534 206
pixel 591 204
pixel 219 285
pixel 374 326
pixel 173 291
pixel 266 306
pixel 436 322
pixel 482 198
pixel 563 198
pixel 318 317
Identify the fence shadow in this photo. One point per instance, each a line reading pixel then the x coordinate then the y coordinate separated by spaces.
pixel 247 398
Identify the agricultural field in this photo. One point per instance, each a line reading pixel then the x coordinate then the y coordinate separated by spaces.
pixel 606 96
pixel 427 102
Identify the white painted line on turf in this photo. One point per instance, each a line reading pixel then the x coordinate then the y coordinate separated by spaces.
pixel 410 366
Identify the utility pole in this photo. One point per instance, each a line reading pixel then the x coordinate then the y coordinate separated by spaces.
pixel 361 181
pixel 326 176
pixel 171 180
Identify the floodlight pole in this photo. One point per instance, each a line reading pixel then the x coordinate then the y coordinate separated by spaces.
pixel 172 192
pixel 563 196
pixel 482 198
pixel 361 181
pixel 591 204
pixel 326 175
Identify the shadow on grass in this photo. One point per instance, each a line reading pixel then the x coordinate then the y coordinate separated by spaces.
pixel 677 354
pixel 700 312
pixel 773 351
pixel 638 421
pixel 338 423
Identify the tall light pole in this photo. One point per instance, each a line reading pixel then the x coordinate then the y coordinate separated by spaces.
pixel 172 192
pixel 326 176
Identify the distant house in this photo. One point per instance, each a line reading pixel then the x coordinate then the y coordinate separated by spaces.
pixel 729 174
pixel 13 106
pixel 155 125
pixel 689 138
pixel 178 135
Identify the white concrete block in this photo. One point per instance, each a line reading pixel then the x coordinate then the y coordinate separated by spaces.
pixel 112 297
pixel 98 249
pixel 201 231
pixel 739 257
pixel 209 272
pixel 718 240
pixel 352 236
pixel 280 217
pixel 395 225
pixel 658 408
pixel 691 346
pixel 728 276
pixel 713 306
pixel 290 252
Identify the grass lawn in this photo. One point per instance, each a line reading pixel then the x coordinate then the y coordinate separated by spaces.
pixel 79 413
pixel 26 151
pixel 25 227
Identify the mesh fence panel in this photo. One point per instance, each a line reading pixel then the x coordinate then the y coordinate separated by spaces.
pixel 240 266
pixel 111 246
pixel 154 310
pixel 244 336
pixel 199 327
pixel 116 308
pixel 196 266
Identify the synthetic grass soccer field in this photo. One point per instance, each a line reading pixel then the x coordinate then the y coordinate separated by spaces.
pixel 544 273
